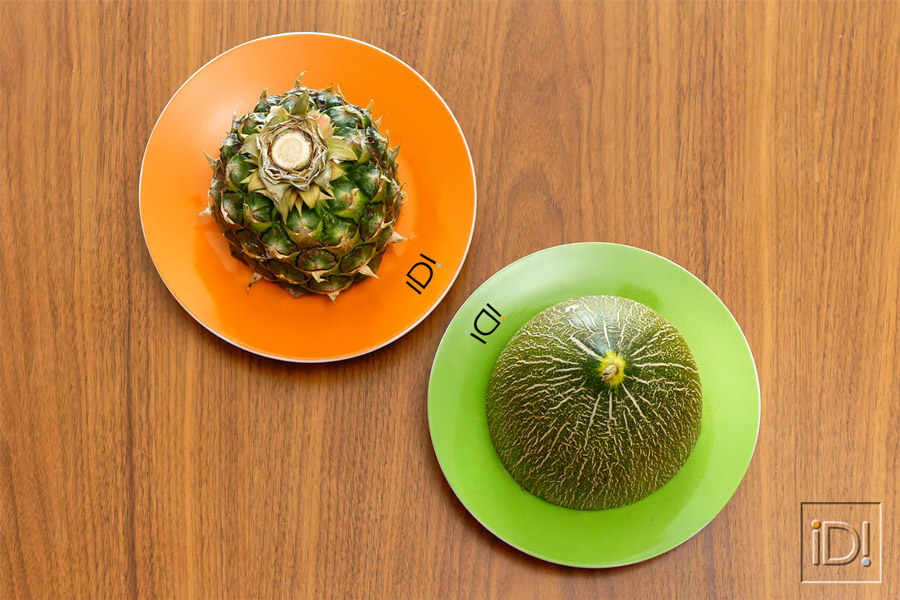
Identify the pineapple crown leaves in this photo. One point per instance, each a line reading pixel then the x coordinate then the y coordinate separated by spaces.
pixel 310 159
pixel 292 153
pixel 307 172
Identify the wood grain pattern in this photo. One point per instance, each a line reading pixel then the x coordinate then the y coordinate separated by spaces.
pixel 755 143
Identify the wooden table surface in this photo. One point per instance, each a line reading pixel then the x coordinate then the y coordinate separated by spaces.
pixel 755 143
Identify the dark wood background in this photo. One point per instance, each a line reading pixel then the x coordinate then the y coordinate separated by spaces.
pixel 755 143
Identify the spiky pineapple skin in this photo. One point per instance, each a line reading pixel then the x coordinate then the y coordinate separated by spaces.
pixel 319 249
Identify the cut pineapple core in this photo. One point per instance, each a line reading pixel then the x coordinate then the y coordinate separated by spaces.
pixel 291 150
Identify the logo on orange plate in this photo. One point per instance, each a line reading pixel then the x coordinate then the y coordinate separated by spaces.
pixel 840 542
pixel 419 275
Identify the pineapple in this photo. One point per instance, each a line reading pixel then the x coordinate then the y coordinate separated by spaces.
pixel 305 190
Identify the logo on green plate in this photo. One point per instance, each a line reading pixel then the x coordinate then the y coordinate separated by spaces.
pixel 486 322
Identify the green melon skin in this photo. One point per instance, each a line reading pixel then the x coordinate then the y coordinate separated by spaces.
pixel 575 440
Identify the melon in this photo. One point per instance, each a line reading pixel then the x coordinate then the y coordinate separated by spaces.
pixel 594 403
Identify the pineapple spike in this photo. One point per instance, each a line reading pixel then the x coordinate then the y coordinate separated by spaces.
pixel 395 151
pixel 378 121
pixel 212 161
pixel 340 93
pixel 368 272
pixel 396 238
pixel 298 83
pixel 369 107
pixel 253 279
pixel 206 211
pixel 264 94
pixel 333 295
pixel 317 275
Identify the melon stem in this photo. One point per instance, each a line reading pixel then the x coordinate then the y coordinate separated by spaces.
pixel 609 372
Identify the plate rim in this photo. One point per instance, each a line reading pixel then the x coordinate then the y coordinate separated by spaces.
pixel 347 356
pixel 575 564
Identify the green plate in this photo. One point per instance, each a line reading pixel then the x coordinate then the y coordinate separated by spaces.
pixel 602 538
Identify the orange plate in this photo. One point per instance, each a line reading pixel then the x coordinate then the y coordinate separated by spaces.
pixel 192 256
